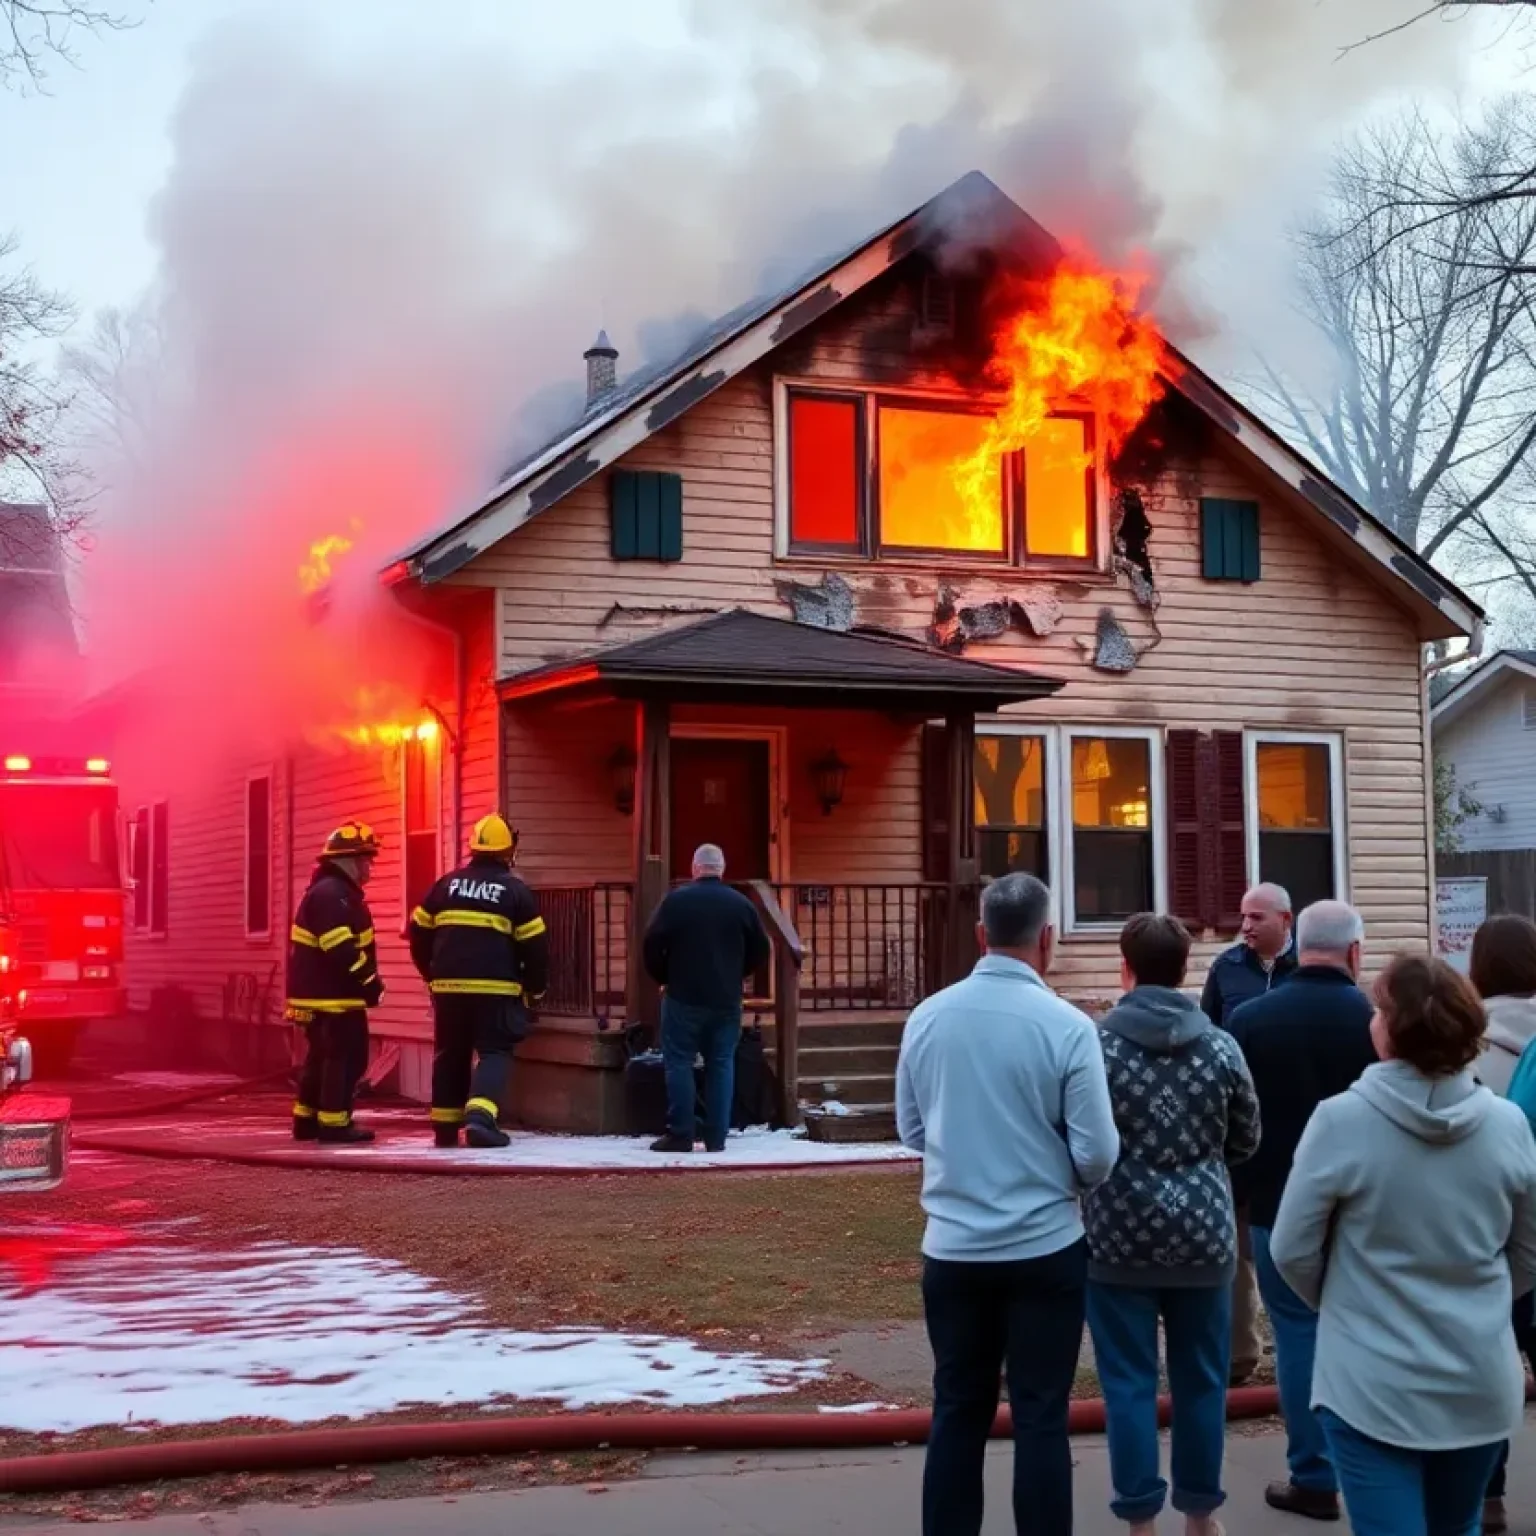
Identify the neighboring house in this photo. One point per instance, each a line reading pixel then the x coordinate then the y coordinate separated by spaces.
pixel 713 609
pixel 1485 731
pixel 39 649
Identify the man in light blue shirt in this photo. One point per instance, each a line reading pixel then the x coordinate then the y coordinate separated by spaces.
pixel 1001 1086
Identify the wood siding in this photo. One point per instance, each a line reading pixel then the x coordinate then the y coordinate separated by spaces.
pixel 1491 746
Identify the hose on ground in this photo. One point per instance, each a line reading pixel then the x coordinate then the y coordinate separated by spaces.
pixel 306 1450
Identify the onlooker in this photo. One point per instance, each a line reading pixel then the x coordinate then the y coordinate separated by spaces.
pixel 703 942
pixel 1409 1222
pixel 1503 970
pixel 1000 1085
pixel 1258 963
pixel 1162 1232
pixel 1305 1042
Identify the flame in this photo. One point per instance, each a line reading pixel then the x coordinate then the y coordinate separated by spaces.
pixel 315 572
pixel 1076 341
pixel 379 717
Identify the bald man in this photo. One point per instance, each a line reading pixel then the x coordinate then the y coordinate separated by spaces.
pixel 1261 959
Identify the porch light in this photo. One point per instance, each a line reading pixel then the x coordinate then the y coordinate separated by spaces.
pixel 621 774
pixel 830 774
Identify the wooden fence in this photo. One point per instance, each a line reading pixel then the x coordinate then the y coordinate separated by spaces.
pixel 1511 874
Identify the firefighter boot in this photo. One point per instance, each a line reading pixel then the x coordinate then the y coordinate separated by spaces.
pixel 347 1135
pixel 480 1128
pixel 445 1135
pixel 305 1126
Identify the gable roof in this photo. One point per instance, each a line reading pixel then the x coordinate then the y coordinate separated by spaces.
pixel 741 655
pixel 657 396
pixel 1474 687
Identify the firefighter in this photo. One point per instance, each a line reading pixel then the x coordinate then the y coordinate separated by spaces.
pixel 478 940
pixel 333 980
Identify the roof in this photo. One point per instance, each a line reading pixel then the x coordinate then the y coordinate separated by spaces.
pixel 740 655
pixel 655 397
pixel 1474 687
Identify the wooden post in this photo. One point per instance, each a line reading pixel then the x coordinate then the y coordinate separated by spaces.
pixel 960 742
pixel 788 956
pixel 653 849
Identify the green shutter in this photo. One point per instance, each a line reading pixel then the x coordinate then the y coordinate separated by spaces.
pixel 1229 539
pixel 646 508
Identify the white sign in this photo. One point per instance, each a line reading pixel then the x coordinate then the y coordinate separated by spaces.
pixel 1461 908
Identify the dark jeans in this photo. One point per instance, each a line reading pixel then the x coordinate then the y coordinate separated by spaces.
pixel 1028 1314
pixel 466 1028
pixel 1295 1327
pixel 688 1031
pixel 1524 1318
pixel 1197 1322
pixel 1389 1491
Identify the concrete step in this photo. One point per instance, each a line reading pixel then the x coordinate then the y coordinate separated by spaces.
pixel 877 1031
pixel 848 1088
pixel 817 1060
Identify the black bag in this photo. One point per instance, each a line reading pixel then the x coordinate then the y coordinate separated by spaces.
pixel 756 1098
pixel 645 1095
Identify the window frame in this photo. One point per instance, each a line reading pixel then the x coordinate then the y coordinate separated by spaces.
pixel 1157 820
pixel 142 834
pixel 433 746
pixel 1338 828
pixel 257 776
pixel 1049 735
pixel 868 547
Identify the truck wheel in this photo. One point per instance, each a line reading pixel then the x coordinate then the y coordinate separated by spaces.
pixel 53 1049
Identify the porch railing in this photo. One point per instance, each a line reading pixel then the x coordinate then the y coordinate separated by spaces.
pixel 867 947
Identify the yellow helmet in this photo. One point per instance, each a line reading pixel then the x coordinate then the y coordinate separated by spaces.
pixel 353 839
pixel 493 835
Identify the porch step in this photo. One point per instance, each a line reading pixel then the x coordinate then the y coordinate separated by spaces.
pixel 850 1088
pixel 817 1060
pixel 840 1030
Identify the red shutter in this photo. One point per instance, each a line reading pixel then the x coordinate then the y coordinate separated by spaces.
pixel 1231 834
pixel 935 803
pixel 1184 839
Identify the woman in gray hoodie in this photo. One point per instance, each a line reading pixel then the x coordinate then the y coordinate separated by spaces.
pixel 1409 1222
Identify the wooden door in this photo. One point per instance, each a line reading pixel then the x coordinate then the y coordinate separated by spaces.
pixel 721 794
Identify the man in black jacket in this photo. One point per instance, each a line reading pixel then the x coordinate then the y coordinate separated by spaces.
pixel 1258 962
pixel 702 944
pixel 333 980
pixel 1304 1042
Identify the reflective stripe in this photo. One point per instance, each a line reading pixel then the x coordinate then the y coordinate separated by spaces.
pixel 482 1106
pixel 457 917
pixel 423 919
pixel 483 988
pixel 334 1117
pixel 369 979
pixel 303 936
pixel 359 963
pixel 326 1004
pixel 303 1112
pixel 365 938
pixel 446 1116
pixel 529 930
pixel 334 937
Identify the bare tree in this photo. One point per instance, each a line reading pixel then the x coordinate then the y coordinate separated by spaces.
pixel 33 32
pixel 1428 415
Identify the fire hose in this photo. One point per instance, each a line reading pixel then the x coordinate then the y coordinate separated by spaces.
pixel 183 1099
pixel 307 1450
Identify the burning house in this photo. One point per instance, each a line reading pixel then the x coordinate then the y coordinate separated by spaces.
pixel 938 564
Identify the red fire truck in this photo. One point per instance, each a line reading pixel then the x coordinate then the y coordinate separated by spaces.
pixel 61 894
pixel 34 1131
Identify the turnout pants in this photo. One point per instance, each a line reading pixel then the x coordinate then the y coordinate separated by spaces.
pixel 473 1040
pixel 333 1065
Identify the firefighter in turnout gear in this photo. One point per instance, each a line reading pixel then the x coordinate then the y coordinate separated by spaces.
pixel 333 980
pixel 479 942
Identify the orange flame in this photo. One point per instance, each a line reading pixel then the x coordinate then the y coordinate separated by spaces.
pixel 379 717
pixel 1078 341
pixel 315 572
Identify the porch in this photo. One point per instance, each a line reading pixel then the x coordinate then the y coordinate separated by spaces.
pixel 801 753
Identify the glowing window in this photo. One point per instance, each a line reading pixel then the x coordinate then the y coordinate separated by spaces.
pixel 1294 797
pixel 1058 490
pixel 922 505
pixel 1010 805
pixel 825 454
pixel 1112 847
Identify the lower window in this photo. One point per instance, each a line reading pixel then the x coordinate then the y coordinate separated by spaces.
pixel 1112 843
pixel 1011 833
pixel 1294 837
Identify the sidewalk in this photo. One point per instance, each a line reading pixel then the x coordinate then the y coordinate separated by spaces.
pixel 871 1493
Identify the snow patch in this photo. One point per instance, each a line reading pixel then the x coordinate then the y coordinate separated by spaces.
pixel 857 1408
pixel 174 1334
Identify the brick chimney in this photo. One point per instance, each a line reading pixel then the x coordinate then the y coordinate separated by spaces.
pixel 602 369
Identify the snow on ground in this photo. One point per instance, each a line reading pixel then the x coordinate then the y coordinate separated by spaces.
pixel 406 1134
pixel 174 1334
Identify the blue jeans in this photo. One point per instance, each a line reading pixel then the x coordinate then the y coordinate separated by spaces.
pixel 1029 1315
pixel 1389 1491
pixel 688 1031
pixel 1197 1321
pixel 1295 1326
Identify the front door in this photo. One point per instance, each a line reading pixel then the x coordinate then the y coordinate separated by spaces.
pixel 720 795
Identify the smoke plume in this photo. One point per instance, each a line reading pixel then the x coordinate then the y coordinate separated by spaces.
pixel 381 253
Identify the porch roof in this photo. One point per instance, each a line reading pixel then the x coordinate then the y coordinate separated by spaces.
pixel 743 657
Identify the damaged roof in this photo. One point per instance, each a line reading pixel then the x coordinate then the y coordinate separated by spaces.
pixel 740 655
pixel 655 397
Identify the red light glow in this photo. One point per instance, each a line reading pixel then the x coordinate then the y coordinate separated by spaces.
pixel 18 765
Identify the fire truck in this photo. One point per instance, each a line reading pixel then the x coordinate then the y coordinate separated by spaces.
pixel 34 1131
pixel 61 894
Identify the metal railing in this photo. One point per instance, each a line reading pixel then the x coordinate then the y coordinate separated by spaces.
pixel 588 949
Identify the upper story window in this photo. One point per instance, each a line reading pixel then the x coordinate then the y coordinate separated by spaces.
pixel 883 476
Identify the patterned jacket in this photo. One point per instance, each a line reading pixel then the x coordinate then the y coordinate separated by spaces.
pixel 1186 1110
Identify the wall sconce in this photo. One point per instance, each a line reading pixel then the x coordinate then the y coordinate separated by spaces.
pixel 830 774
pixel 621 774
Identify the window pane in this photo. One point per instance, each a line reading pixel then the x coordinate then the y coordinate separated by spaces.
pixel 1113 875
pixel 258 865
pixel 1111 780
pixel 1005 853
pixel 1300 861
pixel 420 867
pixel 921 506
pixel 1057 504
pixel 824 456
pixel 1293 786
pixel 159 869
pixel 1010 781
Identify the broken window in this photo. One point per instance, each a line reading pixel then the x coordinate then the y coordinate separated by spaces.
pixel 887 476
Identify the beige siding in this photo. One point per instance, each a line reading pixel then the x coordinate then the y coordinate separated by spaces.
pixel 1316 645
